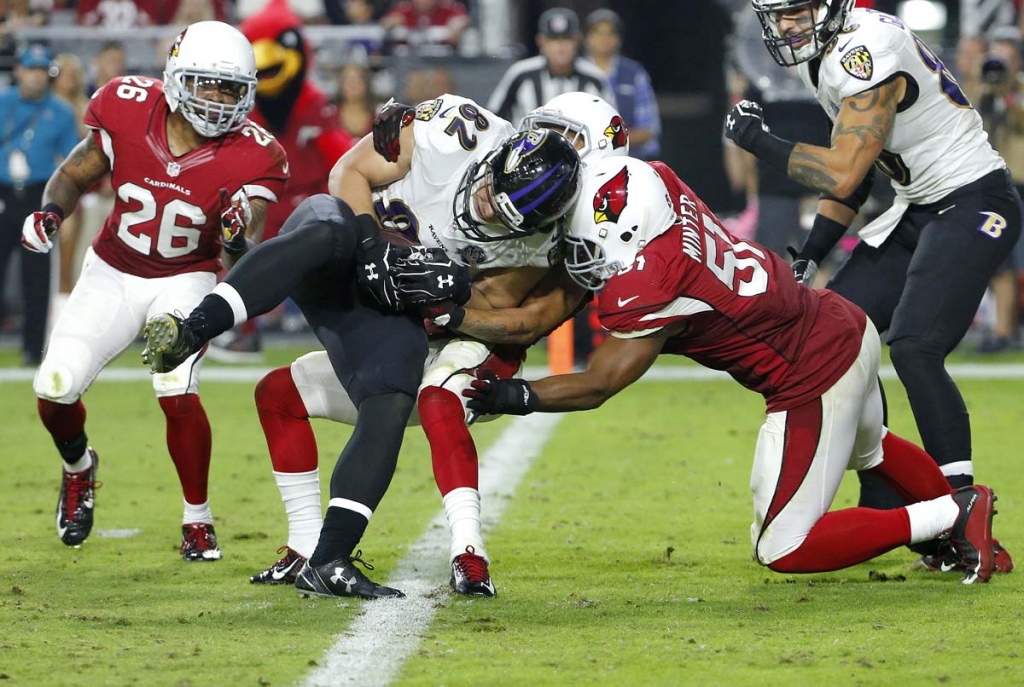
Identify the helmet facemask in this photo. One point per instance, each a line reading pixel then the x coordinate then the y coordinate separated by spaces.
pixel 209 117
pixel 827 20
pixel 586 263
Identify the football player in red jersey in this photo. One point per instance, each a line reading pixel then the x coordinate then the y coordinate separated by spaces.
pixel 192 175
pixel 672 280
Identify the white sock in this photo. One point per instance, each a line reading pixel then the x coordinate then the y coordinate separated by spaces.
pixel 83 463
pixel 197 513
pixel 929 519
pixel 300 492
pixel 462 508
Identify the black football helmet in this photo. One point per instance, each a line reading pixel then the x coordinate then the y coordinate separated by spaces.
pixel 532 179
pixel 829 18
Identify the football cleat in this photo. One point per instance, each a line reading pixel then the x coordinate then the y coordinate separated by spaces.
pixel 341 578
pixel 284 571
pixel 946 559
pixel 169 343
pixel 971 534
pixel 199 543
pixel 76 503
pixel 470 575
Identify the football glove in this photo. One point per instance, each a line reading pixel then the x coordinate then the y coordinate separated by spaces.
pixel 489 395
pixel 375 259
pixel 745 124
pixel 387 128
pixel 443 314
pixel 37 230
pixel 804 269
pixel 235 216
pixel 428 275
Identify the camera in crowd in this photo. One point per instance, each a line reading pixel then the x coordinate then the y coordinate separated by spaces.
pixel 995 71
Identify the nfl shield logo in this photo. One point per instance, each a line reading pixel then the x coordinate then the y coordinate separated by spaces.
pixel 173 169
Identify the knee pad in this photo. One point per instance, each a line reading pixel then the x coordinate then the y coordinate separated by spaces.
pixel 183 379
pixel 320 392
pixel 63 376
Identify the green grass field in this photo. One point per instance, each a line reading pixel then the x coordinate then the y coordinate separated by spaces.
pixel 623 557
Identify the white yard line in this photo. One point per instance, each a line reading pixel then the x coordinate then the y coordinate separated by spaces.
pixel 380 640
pixel 655 374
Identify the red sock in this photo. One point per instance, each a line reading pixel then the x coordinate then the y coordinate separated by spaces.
pixel 285 423
pixel 910 470
pixel 63 421
pixel 188 440
pixel 847 537
pixel 452 450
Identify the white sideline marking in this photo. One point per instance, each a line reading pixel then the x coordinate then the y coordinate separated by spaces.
pixel 655 374
pixel 118 534
pixel 374 648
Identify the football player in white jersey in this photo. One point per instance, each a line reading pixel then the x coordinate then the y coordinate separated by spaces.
pixel 922 267
pixel 504 184
pixel 286 398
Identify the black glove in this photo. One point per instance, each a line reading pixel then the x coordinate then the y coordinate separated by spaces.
pixel 804 269
pixel 745 124
pixel 374 259
pixel 387 128
pixel 428 275
pixel 492 396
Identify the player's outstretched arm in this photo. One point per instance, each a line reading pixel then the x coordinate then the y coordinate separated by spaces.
pixel 79 172
pixel 616 364
pixel 553 300
pixel 864 123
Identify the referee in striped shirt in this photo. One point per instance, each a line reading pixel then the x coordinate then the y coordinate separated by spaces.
pixel 530 83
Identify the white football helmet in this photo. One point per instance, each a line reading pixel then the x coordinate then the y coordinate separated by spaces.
pixel 593 126
pixel 211 53
pixel 829 19
pixel 623 205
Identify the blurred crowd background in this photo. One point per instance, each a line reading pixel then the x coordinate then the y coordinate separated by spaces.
pixel 672 67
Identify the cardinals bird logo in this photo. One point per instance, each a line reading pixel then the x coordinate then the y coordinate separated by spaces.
pixel 610 200
pixel 617 132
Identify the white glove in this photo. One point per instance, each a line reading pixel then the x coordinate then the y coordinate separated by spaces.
pixel 37 230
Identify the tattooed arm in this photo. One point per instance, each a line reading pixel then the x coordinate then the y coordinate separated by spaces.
pixel 79 172
pixel 864 123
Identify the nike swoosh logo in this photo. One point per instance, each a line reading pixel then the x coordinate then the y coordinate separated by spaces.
pixel 942 212
pixel 623 302
pixel 844 46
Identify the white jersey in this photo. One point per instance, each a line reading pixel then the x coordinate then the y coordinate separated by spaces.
pixel 937 144
pixel 451 133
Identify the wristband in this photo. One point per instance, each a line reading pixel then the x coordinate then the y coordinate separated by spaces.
pixel 773 150
pixel 825 233
pixel 55 209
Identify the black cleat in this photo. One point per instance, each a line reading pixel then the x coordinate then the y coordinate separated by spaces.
pixel 470 575
pixel 199 543
pixel 169 343
pixel 971 534
pixel 946 560
pixel 284 571
pixel 76 503
pixel 341 578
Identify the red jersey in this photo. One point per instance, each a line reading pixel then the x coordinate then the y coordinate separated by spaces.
pixel 314 139
pixel 166 216
pixel 443 12
pixel 737 305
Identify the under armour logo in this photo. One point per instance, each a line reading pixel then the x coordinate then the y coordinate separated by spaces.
pixel 445 281
pixel 730 122
pixel 338 578
pixel 371 272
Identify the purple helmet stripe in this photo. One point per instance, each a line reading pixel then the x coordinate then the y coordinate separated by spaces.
pixel 523 191
pixel 558 183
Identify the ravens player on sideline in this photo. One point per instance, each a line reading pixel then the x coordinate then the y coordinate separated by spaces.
pixel 287 397
pixel 192 175
pixel 516 184
pixel 673 281
pixel 922 267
